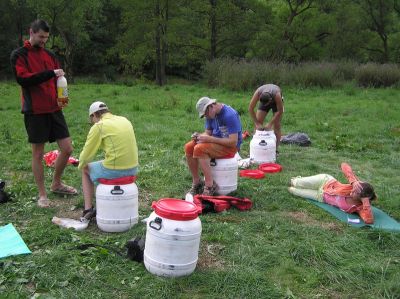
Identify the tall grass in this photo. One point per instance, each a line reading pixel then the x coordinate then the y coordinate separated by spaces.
pixel 245 75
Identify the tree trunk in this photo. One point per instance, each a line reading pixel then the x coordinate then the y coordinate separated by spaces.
pixel 158 44
pixel 213 24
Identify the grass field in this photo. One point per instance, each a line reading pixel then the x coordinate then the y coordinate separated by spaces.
pixel 284 247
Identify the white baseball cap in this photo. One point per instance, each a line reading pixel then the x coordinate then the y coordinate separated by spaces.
pixel 97 106
pixel 202 105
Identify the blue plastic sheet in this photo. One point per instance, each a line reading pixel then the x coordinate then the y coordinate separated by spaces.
pixel 11 242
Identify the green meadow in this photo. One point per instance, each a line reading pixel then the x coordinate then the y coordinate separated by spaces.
pixel 284 247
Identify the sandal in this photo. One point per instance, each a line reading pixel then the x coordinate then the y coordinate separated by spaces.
pixel 65 190
pixel 88 214
pixel 196 188
pixel 210 191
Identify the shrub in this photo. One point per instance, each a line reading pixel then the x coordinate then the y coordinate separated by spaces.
pixel 377 75
pixel 245 75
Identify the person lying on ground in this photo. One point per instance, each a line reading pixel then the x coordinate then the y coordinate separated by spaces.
pixel 354 197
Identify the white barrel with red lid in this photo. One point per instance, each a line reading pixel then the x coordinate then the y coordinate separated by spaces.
pixel 263 147
pixel 172 238
pixel 117 204
pixel 225 174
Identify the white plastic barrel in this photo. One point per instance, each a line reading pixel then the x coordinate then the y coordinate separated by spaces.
pixel 172 238
pixel 263 147
pixel 116 207
pixel 225 174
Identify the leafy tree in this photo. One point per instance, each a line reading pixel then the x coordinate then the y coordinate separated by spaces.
pixel 67 19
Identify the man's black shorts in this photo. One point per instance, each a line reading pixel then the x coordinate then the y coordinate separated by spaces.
pixel 268 106
pixel 49 127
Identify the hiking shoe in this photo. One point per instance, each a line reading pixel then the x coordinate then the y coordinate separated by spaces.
pixel 88 214
pixel 196 188
pixel 365 212
pixel 210 191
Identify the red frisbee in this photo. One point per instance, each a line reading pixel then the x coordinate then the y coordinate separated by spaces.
pixel 252 173
pixel 270 167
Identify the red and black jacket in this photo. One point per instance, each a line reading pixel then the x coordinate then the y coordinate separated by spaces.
pixel 33 68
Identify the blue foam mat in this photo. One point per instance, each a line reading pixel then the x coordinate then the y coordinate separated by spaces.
pixel 381 219
pixel 11 242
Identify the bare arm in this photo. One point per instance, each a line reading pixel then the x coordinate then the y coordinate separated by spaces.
pixel 351 177
pixel 231 141
pixel 252 106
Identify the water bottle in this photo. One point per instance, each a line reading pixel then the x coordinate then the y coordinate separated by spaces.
pixel 62 91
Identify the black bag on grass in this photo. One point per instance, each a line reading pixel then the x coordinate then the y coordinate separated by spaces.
pixel 4 197
pixel 298 138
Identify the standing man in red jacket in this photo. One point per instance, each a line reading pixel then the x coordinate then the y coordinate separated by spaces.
pixel 36 69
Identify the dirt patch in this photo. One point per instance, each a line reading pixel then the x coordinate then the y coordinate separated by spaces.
pixel 210 256
pixel 306 219
pixel 66 207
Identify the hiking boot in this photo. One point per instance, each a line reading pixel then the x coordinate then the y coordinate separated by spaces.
pixel 210 191
pixel 365 212
pixel 196 188
pixel 88 214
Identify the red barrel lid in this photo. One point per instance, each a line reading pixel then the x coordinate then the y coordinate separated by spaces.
pixel 175 209
pixel 118 181
pixel 252 173
pixel 270 167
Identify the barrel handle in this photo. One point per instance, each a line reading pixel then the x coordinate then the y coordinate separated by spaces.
pixel 156 223
pixel 213 162
pixel 262 143
pixel 117 191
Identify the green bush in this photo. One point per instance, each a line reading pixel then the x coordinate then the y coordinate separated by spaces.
pixel 246 75
pixel 377 75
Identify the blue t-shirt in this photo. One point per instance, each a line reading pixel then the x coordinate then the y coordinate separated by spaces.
pixel 226 122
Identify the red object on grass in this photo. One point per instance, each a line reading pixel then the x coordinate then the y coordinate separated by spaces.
pixel 125 180
pixel 222 202
pixel 252 173
pixel 245 134
pixel 176 209
pixel 270 167
pixel 51 157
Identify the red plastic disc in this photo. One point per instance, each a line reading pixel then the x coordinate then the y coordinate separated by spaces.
pixel 270 167
pixel 252 173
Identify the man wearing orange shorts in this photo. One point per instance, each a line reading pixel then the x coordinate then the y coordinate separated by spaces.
pixel 222 137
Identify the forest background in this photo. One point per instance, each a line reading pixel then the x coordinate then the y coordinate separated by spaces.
pixel 160 39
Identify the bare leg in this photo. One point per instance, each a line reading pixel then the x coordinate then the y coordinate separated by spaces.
pixel 38 172
pixel 88 188
pixel 277 130
pixel 62 159
pixel 193 165
pixel 260 115
pixel 206 168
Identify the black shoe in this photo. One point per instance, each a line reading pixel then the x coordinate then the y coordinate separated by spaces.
pixel 88 214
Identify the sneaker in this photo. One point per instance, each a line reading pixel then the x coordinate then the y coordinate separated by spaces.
pixel 365 212
pixel 210 191
pixel 88 214
pixel 196 188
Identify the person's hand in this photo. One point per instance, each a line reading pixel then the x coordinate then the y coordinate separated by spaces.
pixel 195 136
pixel 268 127
pixel 203 138
pixel 59 72
pixel 259 126
pixel 357 188
pixel 62 102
